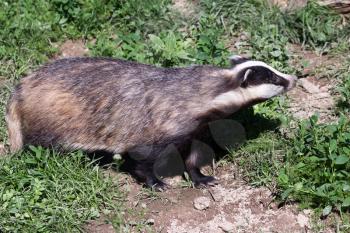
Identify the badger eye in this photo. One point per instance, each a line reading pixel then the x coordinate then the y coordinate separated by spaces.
pixel 276 79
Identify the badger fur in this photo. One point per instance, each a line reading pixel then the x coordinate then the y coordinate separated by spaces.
pixel 121 106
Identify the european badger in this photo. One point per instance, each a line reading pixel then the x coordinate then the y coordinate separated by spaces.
pixel 119 106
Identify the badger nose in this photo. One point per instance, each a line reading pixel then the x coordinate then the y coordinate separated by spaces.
pixel 292 82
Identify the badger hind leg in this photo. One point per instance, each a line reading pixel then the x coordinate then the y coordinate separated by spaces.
pixel 13 120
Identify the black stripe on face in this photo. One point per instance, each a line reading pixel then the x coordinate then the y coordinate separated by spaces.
pixel 261 75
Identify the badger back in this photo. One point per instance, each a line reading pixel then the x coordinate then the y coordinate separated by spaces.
pixel 111 104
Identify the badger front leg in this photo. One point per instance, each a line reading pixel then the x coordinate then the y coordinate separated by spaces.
pixel 140 163
pixel 144 171
pixel 199 154
pixel 199 179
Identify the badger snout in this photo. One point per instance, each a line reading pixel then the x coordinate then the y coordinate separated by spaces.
pixel 292 81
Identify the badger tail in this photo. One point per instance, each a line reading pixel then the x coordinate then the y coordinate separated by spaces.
pixel 13 120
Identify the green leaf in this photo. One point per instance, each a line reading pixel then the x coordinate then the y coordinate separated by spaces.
pixel 333 145
pixel 298 186
pixel 346 202
pixel 286 193
pixel 276 53
pixel 30 161
pixel 346 151
pixel 342 159
pixel 346 187
pixel 157 43
pixel 283 178
pixel 327 210
pixel 316 159
pixel 347 135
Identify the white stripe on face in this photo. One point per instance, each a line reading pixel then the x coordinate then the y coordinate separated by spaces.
pixel 229 101
pixel 232 101
pixel 263 91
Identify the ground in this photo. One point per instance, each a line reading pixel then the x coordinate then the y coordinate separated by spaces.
pixel 231 206
pixel 313 93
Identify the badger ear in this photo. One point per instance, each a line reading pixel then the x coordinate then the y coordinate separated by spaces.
pixel 246 74
pixel 243 76
pixel 236 59
pixel 237 78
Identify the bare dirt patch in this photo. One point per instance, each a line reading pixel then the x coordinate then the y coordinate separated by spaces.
pixel 72 48
pixel 185 7
pixel 98 227
pixel 231 206
pixel 2 149
pixel 314 91
pixel 310 97
pixel 289 4
pixel 341 6
pixel 3 82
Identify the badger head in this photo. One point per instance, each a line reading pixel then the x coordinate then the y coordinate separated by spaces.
pixel 252 82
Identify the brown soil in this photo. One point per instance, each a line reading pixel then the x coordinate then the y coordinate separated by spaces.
pixel 185 7
pixel 98 227
pixel 288 4
pixel 72 48
pixel 341 6
pixel 234 206
pixel 313 93
pixel 4 83
pixel 2 149
pixel 304 104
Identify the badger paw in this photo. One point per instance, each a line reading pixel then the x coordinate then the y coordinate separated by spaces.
pixel 157 185
pixel 205 181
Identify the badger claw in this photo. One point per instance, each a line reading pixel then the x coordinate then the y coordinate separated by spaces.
pixel 205 181
pixel 157 185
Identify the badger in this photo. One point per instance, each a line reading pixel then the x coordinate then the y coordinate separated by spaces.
pixel 123 107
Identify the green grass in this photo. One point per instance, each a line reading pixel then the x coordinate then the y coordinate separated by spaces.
pixel 200 44
pixel 3 99
pixel 343 89
pixel 41 190
pixel 316 170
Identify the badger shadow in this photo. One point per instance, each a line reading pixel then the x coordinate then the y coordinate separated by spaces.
pixel 342 105
pixel 126 164
pixel 102 158
pixel 254 125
